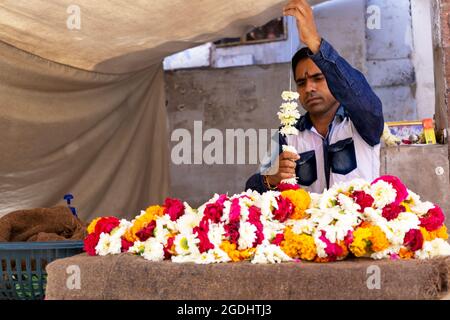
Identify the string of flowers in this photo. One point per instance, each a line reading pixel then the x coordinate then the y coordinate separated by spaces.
pixel 379 220
pixel 289 116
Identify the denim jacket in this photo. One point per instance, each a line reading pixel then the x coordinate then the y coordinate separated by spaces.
pixel 352 147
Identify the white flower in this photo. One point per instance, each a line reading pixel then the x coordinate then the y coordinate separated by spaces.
pixel 164 227
pixel 247 235
pixel 320 245
pixel 435 248
pixel 287 148
pixel 187 222
pixel 328 199
pixel 306 226
pixel 289 130
pixel 383 193
pixel 386 253
pixel 186 244
pixel 267 202
pixel 137 248
pixel 348 204
pixel 215 255
pixel 269 253
pixel 216 233
pixel 421 208
pixel 153 250
pixel 108 244
pixel 271 228
pixel 289 95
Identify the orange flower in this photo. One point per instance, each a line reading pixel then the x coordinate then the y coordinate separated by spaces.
pixel 406 254
pixel 142 221
pixel 378 239
pixel 300 199
pixel 91 227
pixel 300 246
pixel 431 235
pixel 235 254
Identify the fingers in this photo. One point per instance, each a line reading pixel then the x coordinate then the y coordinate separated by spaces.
pixel 284 176
pixel 286 155
pixel 287 164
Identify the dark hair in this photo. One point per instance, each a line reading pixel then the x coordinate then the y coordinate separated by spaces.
pixel 300 55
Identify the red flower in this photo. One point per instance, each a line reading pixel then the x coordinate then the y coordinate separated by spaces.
pixel 90 242
pixel 254 217
pixel 202 234
pixel 126 245
pixel 213 212
pixel 232 231
pixel 174 208
pixel 286 186
pixel 106 224
pixel 147 231
pixel 285 209
pixel 433 220
pixel 168 248
pixel 363 199
pixel 391 211
pixel 397 184
pixel 413 239
pixel 278 239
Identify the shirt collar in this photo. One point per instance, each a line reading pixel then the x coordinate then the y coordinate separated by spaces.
pixel 305 122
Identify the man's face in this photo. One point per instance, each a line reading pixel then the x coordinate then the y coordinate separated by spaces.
pixel 312 86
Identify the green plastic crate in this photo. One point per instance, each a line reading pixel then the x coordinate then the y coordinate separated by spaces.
pixel 22 272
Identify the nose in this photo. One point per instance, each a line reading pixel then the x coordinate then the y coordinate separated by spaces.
pixel 310 86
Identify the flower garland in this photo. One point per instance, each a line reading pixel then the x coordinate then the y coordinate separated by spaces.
pixel 289 116
pixel 378 220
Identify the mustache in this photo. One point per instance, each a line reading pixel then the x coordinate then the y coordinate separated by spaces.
pixel 312 95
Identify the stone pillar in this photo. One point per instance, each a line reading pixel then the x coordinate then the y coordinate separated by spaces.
pixel 441 46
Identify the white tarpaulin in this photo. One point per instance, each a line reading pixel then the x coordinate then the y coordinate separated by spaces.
pixel 83 110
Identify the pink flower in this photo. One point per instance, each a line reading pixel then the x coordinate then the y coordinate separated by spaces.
pixel 147 231
pixel 413 239
pixel 278 239
pixel 286 186
pixel 394 256
pixel 285 209
pixel 433 220
pixel 397 184
pixel 254 217
pixel 391 211
pixel 333 250
pixel 363 199
pixel 348 238
pixel 235 211
pixel 174 208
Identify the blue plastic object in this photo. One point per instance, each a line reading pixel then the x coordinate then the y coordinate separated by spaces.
pixel 68 197
pixel 22 272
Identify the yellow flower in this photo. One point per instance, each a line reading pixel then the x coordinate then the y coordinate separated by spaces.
pixel 298 245
pixel 234 254
pixel 151 213
pixel 91 227
pixel 300 199
pixel 360 244
pixel 431 235
pixel 378 239
pixel 407 206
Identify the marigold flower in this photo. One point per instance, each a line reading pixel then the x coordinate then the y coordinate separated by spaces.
pixel 378 239
pixel 91 227
pixel 406 254
pixel 360 244
pixel 298 245
pixel 151 214
pixel 300 199
pixel 235 254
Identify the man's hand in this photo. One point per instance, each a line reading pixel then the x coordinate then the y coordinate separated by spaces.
pixel 286 168
pixel 302 11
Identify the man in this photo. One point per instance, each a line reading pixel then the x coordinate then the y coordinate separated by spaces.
pixel 339 136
